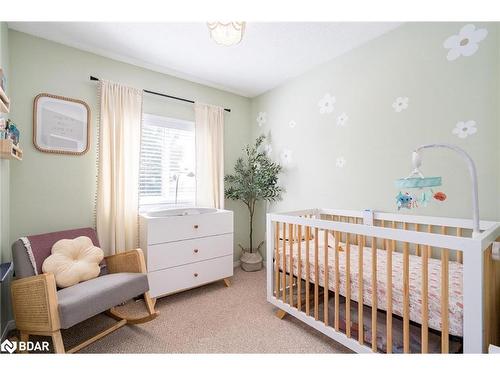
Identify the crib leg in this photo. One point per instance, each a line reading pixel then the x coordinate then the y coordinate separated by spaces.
pixel 280 314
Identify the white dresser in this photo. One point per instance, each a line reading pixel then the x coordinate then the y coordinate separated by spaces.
pixel 186 251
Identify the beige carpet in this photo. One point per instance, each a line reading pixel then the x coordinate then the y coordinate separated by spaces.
pixel 209 319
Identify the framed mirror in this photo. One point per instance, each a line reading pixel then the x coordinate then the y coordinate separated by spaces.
pixel 61 125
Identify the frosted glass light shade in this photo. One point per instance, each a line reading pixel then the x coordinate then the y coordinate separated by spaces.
pixel 226 33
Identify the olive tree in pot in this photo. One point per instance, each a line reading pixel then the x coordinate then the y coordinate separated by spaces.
pixel 255 179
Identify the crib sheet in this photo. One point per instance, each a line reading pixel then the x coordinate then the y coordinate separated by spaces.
pixel 415 278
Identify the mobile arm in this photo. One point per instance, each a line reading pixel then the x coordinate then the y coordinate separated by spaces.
pixel 417 161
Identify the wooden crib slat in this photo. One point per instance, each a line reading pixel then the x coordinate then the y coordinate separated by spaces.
pixel 308 271
pixel 393 241
pixel 299 266
pixel 459 253
pixel 348 285
pixel 406 294
pixel 316 274
pixel 383 246
pixel 490 326
pixel 290 271
pixel 355 239
pixel 374 294
pixel 417 249
pixel 338 235
pixel 343 238
pixel 283 278
pixel 444 298
pixel 277 261
pixel 325 280
pixel 361 330
pixel 425 300
pixel 389 297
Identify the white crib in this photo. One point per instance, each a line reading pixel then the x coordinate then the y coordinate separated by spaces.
pixel 322 262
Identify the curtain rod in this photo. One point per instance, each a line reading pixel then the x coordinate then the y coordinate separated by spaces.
pixel 92 78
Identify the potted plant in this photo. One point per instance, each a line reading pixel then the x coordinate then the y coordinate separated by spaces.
pixel 255 179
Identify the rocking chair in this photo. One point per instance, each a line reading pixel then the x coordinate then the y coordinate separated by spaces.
pixel 43 310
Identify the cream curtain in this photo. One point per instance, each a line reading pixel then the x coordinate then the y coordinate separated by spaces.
pixel 209 125
pixel 118 167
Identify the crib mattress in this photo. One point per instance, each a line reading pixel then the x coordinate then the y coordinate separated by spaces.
pixel 455 312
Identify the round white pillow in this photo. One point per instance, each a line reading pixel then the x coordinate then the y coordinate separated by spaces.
pixel 73 261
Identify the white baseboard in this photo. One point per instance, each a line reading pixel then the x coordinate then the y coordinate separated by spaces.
pixel 11 325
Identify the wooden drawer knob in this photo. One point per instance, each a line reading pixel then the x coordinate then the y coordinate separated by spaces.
pixel 196 226
pixel 195 275
pixel 195 251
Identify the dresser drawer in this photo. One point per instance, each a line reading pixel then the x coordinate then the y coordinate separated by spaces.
pixel 177 228
pixel 175 279
pixel 172 254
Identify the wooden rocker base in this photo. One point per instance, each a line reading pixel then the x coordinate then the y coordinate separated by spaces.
pixel 121 321
pixel 280 314
pixel 57 341
pixel 150 306
pixel 99 336
pixel 116 315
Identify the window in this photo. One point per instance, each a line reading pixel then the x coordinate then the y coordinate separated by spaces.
pixel 166 175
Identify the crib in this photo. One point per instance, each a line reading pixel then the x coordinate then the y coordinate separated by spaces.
pixel 389 283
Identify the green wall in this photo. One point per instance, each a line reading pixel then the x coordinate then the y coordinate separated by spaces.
pixel 377 141
pixel 55 192
pixel 51 192
pixel 4 164
pixel 4 184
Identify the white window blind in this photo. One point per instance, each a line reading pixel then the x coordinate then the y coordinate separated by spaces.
pixel 167 162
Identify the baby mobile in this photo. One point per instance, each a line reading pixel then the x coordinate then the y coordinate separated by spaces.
pixel 417 190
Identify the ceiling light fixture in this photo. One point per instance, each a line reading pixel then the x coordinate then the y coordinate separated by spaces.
pixel 226 33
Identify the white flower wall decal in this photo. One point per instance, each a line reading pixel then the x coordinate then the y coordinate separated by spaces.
pixel 342 120
pixel 400 104
pixel 340 162
pixel 465 128
pixel 261 118
pixel 465 43
pixel 326 104
pixel 292 124
pixel 286 158
pixel 268 150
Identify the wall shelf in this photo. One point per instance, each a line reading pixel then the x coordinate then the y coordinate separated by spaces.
pixel 8 150
pixel 4 102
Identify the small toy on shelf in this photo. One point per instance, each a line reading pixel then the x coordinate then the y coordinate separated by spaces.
pixel 12 132
pixel 3 129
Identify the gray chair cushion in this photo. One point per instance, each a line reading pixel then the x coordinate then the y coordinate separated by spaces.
pixel 89 298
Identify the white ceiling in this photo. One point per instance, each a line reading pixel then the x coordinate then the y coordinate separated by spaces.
pixel 269 54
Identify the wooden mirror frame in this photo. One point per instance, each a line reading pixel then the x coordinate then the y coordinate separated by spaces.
pixel 35 125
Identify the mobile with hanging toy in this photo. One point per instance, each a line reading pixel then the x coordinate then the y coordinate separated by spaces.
pixel 417 190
